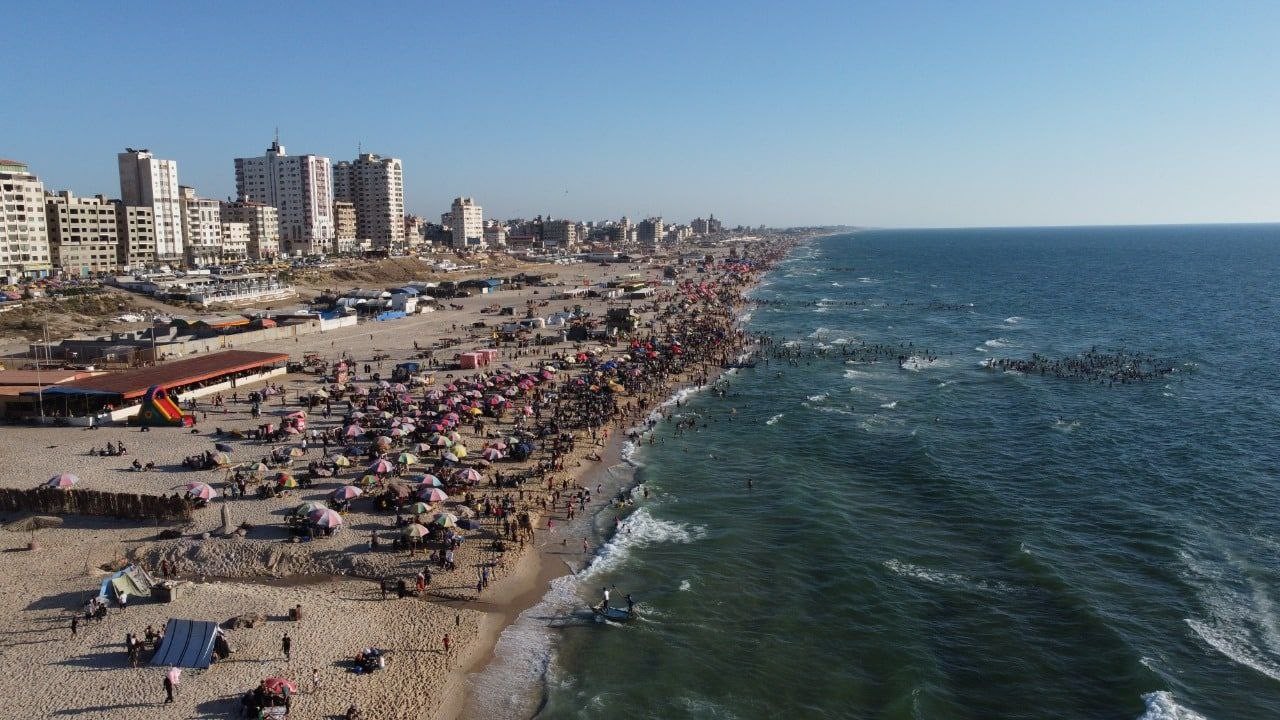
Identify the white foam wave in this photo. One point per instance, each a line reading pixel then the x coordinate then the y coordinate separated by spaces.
pixel 944 579
pixel 639 530
pixel 889 405
pixel 916 363
pixel 746 316
pixel 851 373
pixel 997 343
pixel 818 332
pixel 867 280
pixel 1014 320
pixel 685 586
pixel 1065 426
pixel 1239 618
pixel 817 398
pixel 628 453
pixel 773 420
pixel 836 284
pixel 1162 706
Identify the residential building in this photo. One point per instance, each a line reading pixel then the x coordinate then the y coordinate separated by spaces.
pixel 345 227
pixel 146 181
pixel 650 231
pixel 559 234
pixel 375 185
pixel 413 231
pixel 24 234
pixel 300 187
pixel 201 228
pixel 264 226
pixel 136 230
pixel 83 237
pixel 235 241
pixel 495 234
pixel 467 219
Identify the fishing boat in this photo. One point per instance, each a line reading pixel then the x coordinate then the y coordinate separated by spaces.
pixel 612 613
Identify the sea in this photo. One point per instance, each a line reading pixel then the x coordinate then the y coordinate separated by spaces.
pixel 931 535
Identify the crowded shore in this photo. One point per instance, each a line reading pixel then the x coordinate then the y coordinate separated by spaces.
pixel 387 514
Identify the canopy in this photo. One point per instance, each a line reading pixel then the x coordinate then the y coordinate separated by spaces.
pixel 63 481
pixel 186 644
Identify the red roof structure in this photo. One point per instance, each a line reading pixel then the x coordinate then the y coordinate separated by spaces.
pixel 132 384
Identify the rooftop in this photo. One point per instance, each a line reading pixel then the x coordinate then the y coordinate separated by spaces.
pixel 134 383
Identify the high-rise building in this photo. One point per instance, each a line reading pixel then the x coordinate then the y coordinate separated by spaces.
pixel 264 226
pixel 375 185
pixel 146 181
pixel 300 187
pixel 235 241
pixel 201 228
pixel 467 219
pixel 83 238
pixel 413 227
pixel 650 231
pixel 24 234
pixel 495 233
pixel 136 229
pixel 345 226
pixel 559 234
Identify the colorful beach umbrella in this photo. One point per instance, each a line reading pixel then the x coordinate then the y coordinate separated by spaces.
pixel 429 480
pixel 445 519
pixel 419 508
pixel 347 492
pixel 491 454
pixel 324 517
pixel 199 490
pixel 63 481
pixel 340 460
pixel 407 458
pixel 307 508
pixel 414 530
pixel 381 466
pixel 433 495
pixel 467 475
pixel 278 685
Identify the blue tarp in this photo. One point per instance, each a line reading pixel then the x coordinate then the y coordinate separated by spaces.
pixel 187 644
pixel 56 390
pixel 389 315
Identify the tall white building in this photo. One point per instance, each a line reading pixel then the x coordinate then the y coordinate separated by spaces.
pixel 201 227
pixel 146 181
pixel 24 235
pixel 83 237
pixel 467 220
pixel 300 187
pixel 375 186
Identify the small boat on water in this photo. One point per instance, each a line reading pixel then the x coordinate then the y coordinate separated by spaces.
pixel 612 613
pixel 740 365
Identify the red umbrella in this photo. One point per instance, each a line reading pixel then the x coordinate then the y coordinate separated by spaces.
pixel 277 686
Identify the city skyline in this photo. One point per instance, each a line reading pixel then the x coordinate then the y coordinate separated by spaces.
pixel 920 115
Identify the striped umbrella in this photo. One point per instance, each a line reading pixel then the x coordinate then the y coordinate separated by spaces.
pixel 445 519
pixel 418 508
pixel 433 495
pixel 324 517
pixel 430 480
pixel 347 492
pixel 491 454
pixel 202 491
pixel 414 530
pixel 63 481
pixel 381 467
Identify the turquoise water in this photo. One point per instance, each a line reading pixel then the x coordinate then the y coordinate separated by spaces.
pixel 949 541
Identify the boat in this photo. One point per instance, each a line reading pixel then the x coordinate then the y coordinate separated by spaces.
pixel 612 613
pixel 739 365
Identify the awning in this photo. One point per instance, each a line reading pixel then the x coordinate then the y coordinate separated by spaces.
pixel 187 644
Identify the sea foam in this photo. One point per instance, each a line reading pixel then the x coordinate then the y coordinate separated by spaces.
pixel 1162 706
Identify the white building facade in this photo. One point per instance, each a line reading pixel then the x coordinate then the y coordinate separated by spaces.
pixel 375 186
pixel 24 234
pixel 467 220
pixel 146 181
pixel 300 187
pixel 201 228
pixel 264 226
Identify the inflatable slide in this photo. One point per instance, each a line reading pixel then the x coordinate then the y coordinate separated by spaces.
pixel 160 410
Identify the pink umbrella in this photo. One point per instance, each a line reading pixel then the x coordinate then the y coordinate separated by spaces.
pixel 381 466
pixel 491 454
pixel 63 481
pixel 468 475
pixel 432 494
pixel 200 490
pixel 347 492
pixel 324 517
pixel 429 480
pixel 353 431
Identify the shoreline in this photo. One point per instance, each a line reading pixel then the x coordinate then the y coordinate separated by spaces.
pixel 530 585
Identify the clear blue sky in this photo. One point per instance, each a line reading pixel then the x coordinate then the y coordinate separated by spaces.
pixel 889 113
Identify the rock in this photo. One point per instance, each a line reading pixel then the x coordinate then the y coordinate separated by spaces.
pixel 170 534
pixel 244 621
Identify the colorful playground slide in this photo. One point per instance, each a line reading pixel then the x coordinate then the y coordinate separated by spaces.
pixel 160 410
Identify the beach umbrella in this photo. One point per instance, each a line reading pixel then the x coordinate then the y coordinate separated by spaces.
pixel 433 495
pixel 450 457
pixel 278 685
pixel 202 491
pixel 292 430
pixel 407 458
pixel 353 431
pixel 399 388
pixel 222 446
pixel 296 452
pixel 459 449
pixel 258 470
pixel 340 460
pixel 324 517
pixel 418 508
pixel 63 481
pixel 320 394
pixel 307 508
pixel 468 475
pixel 383 441
pixel 286 480
pixel 491 454
pixel 445 519
pixel 430 480
pixel 440 440
pixel 455 436
pixel 221 459
pixel 347 492
pixel 423 447
pixel 414 530
pixel 381 466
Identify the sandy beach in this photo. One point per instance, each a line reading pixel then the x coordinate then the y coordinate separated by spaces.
pixel 262 569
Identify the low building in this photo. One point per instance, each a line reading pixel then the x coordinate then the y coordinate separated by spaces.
pixel 136 230
pixel 83 235
pixel 264 226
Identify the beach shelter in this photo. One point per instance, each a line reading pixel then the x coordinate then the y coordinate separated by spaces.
pixel 201 491
pixel 325 518
pixel 347 492
pixel 419 508
pixel 414 530
pixel 186 644
pixel 445 519
pixel 133 580
pixel 435 495
pixel 63 481
pixel 381 467
pixel 340 460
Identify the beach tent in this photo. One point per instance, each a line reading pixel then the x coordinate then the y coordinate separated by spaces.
pixel 187 643
pixel 133 580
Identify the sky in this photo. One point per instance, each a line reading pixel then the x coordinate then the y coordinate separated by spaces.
pixel 901 114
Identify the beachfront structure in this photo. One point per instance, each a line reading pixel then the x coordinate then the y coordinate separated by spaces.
pixel 375 186
pixel 83 236
pixel 146 181
pixel 136 231
pixel 24 234
pixel 263 222
pixel 345 226
pixel 201 228
pixel 300 187
pixel 467 219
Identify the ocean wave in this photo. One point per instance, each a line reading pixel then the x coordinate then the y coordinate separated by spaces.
pixel 817 333
pixel 997 343
pixel 889 405
pixel 1014 320
pixel 685 586
pixel 640 529
pixel 1239 619
pixel 1065 426
pixel 916 363
pixel 867 280
pixel 773 420
pixel 817 398
pixel 745 317
pixel 1162 706
pixel 943 579
pixel 629 452
pixel 836 284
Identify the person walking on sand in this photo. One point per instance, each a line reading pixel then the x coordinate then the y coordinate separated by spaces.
pixel 75 624
pixel 168 689
pixel 445 642
pixel 286 646
pixel 315 679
